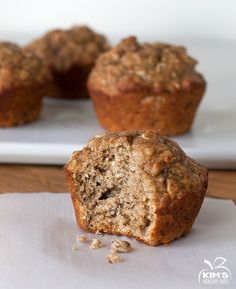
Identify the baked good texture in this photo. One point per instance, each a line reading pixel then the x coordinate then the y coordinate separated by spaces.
pixel 70 55
pixel 138 184
pixel 21 80
pixel 146 86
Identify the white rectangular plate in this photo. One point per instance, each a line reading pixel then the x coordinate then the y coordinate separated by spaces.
pixel 66 126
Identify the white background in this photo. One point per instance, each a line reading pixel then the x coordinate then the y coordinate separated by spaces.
pixel 206 27
pixel 160 19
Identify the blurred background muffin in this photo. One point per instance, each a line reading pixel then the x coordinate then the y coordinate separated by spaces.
pixel 21 85
pixel 146 86
pixel 70 55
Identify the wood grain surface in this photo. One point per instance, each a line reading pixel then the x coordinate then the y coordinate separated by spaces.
pixel 28 178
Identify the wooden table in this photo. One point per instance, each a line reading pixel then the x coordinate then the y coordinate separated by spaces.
pixel 28 178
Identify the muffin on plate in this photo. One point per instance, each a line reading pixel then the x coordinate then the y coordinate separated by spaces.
pixel 70 55
pixel 21 85
pixel 146 86
pixel 138 184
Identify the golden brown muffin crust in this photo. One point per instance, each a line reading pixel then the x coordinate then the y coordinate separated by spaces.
pixel 63 48
pixel 22 77
pixel 146 86
pixel 153 67
pixel 18 67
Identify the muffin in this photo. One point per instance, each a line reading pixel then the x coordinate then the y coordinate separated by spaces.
pixel 138 184
pixel 21 80
pixel 146 86
pixel 70 55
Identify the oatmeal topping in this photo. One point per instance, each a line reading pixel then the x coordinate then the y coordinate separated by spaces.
pixel 150 67
pixel 18 67
pixel 63 48
pixel 161 158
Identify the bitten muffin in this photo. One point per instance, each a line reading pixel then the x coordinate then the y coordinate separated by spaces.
pixel 21 80
pixel 70 55
pixel 146 86
pixel 138 184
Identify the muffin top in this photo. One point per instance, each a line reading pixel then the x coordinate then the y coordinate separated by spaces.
pixel 159 158
pixel 154 68
pixel 18 67
pixel 61 49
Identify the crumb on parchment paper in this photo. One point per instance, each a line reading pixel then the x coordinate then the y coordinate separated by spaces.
pixel 75 246
pixel 96 244
pixel 114 258
pixel 121 246
pixel 116 246
pixel 82 238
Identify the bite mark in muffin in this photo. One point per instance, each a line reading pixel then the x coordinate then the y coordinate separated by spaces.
pixel 137 184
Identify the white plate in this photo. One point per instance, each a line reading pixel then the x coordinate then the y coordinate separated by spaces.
pixel 66 126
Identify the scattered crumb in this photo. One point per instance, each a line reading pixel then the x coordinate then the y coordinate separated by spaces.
pixel 121 246
pixel 117 246
pixel 114 258
pixel 98 233
pixel 75 247
pixel 82 238
pixel 96 244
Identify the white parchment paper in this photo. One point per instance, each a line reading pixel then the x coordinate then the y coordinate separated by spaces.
pixel 37 232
